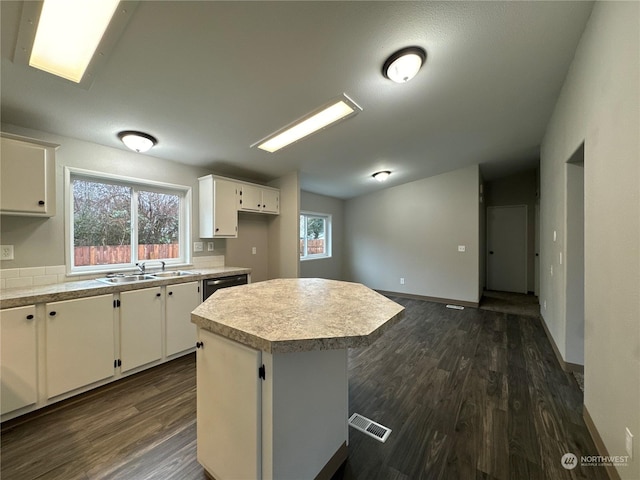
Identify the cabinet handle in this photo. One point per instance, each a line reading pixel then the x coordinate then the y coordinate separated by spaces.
pixel 199 344
pixel 170 293
pixel 29 317
pixel 217 229
pixel 52 314
pixel 41 202
pixel 158 294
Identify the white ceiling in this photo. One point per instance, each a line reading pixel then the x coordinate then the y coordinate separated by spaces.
pixel 208 79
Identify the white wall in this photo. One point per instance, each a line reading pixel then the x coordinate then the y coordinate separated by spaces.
pixel 599 104
pixel 325 267
pixel 413 231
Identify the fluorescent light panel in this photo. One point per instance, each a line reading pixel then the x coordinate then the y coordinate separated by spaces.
pixel 68 34
pixel 339 109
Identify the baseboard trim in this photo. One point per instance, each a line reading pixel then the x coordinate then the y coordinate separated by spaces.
pixel 430 299
pixel 566 366
pixel 612 472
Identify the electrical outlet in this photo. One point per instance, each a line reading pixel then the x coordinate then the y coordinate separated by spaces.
pixel 401 280
pixel 253 250
pixel 7 252
pixel 209 246
pixel 628 442
pixel 462 248
pixel 198 246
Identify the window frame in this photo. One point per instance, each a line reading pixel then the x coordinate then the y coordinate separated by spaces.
pixel 136 184
pixel 328 236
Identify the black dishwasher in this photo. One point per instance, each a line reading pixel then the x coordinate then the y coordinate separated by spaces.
pixel 212 284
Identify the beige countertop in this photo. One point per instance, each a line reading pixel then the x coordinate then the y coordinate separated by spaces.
pixel 18 297
pixel 301 314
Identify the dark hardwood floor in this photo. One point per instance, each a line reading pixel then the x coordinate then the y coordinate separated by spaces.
pixel 469 394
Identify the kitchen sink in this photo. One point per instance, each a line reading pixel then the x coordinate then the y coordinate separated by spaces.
pixel 126 279
pixel 176 273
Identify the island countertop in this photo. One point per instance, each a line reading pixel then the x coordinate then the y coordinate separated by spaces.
pixel 298 314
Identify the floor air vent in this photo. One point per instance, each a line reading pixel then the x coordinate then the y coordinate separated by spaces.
pixel 371 428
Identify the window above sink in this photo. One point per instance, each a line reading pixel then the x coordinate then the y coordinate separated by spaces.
pixel 116 222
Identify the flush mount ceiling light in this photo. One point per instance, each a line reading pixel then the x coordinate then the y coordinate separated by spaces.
pixel 403 65
pixel 381 176
pixel 68 34
pixel 137 141
pixel 339 109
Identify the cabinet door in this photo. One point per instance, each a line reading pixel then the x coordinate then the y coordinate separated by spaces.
pixel 140 327
pixel 225 214
pixel 181 300
pixel 270 201
pixel 18 368
pixel 250 198
pixel 23 177
pixel 228 407
pixel 80 343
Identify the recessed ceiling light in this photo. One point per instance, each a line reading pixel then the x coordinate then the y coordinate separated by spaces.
pixel 137 141
pixel 341 108
pixel 403 65
pixel 68 34
pixel 381 176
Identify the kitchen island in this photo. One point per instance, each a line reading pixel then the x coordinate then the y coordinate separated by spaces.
pixel 272 375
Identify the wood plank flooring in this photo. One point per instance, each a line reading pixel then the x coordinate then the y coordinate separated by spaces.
pixel 469 394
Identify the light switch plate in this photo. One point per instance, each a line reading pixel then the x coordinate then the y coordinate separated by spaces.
pixel 198 246
pixel 462 248
pixel 209 246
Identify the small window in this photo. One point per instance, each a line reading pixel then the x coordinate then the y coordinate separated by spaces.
pixel 315 236
pixel 116 222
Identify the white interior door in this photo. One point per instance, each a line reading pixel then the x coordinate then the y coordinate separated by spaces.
pixel 507 248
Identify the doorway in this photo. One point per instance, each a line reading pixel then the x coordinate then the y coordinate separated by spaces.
pixel 575 259
pixel 507 248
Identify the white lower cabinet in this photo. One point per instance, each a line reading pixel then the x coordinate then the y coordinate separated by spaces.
pixel 140 327
pixel 80 346
pixel 269 416
pixel 181 300
pixel 18 366
pixel 229 406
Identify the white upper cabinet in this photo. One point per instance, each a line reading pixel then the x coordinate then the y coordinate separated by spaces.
pixel 27 177
pixel 255 198
pixel 218 211
pixel 222 198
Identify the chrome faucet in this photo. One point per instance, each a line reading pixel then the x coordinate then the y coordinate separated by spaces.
pixel 141 267
pixel 163 264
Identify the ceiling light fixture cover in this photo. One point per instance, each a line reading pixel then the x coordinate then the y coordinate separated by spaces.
pixel 403 65
pixel 339 109
pixel 68 34
pixel 137 141
pixel 381 176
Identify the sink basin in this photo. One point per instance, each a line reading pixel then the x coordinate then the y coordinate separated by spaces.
pixel 126 279
pixel 177 273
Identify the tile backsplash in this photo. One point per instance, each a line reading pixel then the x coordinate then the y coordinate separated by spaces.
pixel 34 276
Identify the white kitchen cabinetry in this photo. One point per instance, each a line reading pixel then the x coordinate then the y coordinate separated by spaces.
pixel 27 177
pixel 80 343
pixel 254 198
pixel 229 408
pixel 181 300
pixel 140 327
pixel 18 367
pixel 218 211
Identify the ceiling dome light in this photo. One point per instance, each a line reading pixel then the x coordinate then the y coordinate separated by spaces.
pixel 137 141
pixel 381 176
pixel 403 65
